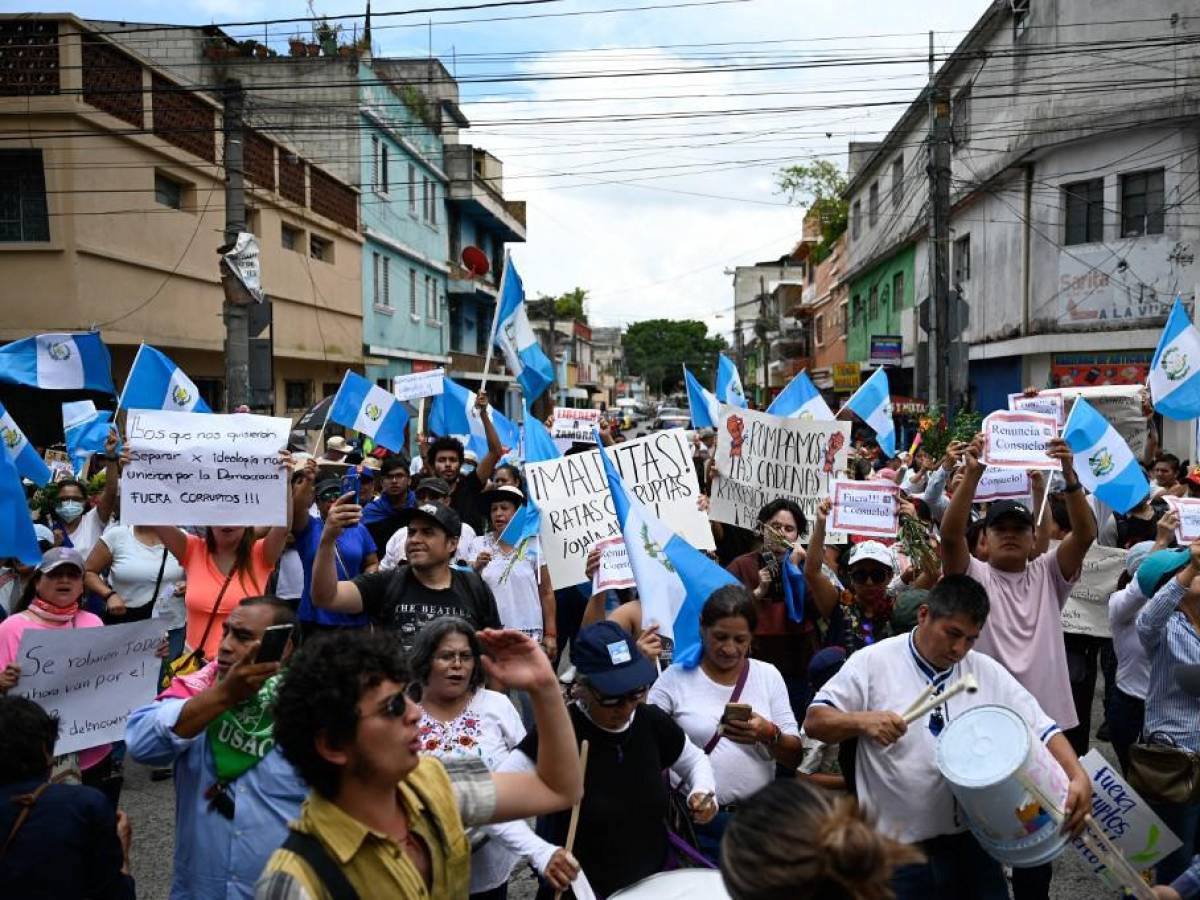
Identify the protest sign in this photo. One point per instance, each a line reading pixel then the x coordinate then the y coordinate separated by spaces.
pixel 577 509
pixel 1120 404
pixel 615 572
pixel 90 678
pixel 59 464
pixel 998 483
pixel 1141 836
pixel 572 425
pixel 864 507
pixel 762 457
pixel 1017 440
pixel 419 384
pixel 1188 510
pixel 1045 402
pixel 204 469
pixel 1086 610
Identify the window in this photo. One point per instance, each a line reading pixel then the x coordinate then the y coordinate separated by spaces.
pixel 960 117
pixel 1142 203
pixel 897 180
pixel 320 248
pixel 383 291
pixel 413 309
pixel 1020 11
pixel 855 220
pixel 329 388
pixel 873 304
pixel 23 214
pixel 212 392
pixel 412 189
pixel 819 329
pixel 291 238
pixel 168 191
pixel 873 205
pixel 962 260
pixel 425 201
pixel 431 305
pixel 1084 204
pixel 856 310
pixel 298 394
pixel 379 165
pixel 898 291
pixel 843 320
pixel 433 203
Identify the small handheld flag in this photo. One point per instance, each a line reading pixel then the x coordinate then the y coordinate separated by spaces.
pixel 86 430
pixel 155 382
pixel 801 400
pixel 729 383
pixel 1104 463
pixel 539 446
pixel 872 403
pixel 21 452
pixel 515 338
pixel 370 409
pixel 452 413
pixel 1175 368
pixel 702 404
pixel 58 362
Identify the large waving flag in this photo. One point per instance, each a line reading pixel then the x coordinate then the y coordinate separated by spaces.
pixel 729 383
pixel 21 452
pixel 17 538
pixel 801 400
pixel 539 446
pixel 155 382
pixel 516 339
pixel 86 431
pixel 673 577
pixel 452 413
pixel 1103 460
pixel 1175 369
pixel 872 403
pixel 371 410
pixel 701 403
pixel 59 362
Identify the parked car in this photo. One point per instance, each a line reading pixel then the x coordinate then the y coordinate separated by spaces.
pixel 672 417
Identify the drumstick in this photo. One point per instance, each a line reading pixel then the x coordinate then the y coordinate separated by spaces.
pixel 583 755
pixel 966 683
pixel 921 698
pixel 1126 876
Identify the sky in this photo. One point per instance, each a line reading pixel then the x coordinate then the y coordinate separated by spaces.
pixel 644 141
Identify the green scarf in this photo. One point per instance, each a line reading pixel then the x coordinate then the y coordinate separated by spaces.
pixel 241 737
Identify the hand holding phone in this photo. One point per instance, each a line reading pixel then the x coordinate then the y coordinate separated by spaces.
pixel 274 642
pixel 737 712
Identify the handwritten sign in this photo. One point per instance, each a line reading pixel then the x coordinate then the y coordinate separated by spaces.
pixel 762 457
pixel 864 507
pixel 419 384
pixel 1046 403
pixel 1126 818
pixel 1120 404
pixel 574 425
pixel 615 572
pixel 1086 609
pixel 1188 510
pixel 90 678
pixel 577 509
pixel 1002 484
pixel 202 469
pixel 1018 440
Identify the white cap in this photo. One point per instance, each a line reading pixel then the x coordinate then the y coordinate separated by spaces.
pixel 872 550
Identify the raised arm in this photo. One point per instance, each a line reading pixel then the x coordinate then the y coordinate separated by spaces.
pixel 1152 620
pixel 174 539
pixel 112 474
pixel 327 592
pixel 1041 530
pixel 494 448
pixel 956 554
pixel 824 591
pixel 1083 524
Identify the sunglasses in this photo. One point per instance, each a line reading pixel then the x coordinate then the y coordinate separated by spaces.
pixel 871 576
pixel 620 700
pixel 397 705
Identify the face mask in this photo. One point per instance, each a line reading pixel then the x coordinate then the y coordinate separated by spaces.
pixel 69 510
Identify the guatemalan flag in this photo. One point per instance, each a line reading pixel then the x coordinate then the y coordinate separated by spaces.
pixel 729 383
pixel 523 527
pixel 17 538
pixel 872 403
pixel 701 403
pixel 516 339
pixel 1175 369
pixel 155 382
pixel 58 362
pixel 371 410
pixel 539 446
pixel 21 452
pixel 674 579
pixel 85 429
pixel 452 413
pixel 801 400
pixel 1103 460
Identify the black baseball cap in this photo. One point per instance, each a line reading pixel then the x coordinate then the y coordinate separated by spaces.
pixel 606 654
pixel 1007 509
pixel 437 486
pixel 442 516
pixel 328 489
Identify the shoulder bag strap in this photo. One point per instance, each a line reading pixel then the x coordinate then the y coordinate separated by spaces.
pixel 212 616
pixel 328 872
pixel 25 801
pixel 162 567
pixel 738 686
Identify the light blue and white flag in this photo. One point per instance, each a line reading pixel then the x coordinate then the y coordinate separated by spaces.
pixel 1175 369
pixel 729 383
pixel 523 526
pixel 59 362
pixel 674 579
pixel 1104 462
pixel 801 400
pixel 86 431
pixel 21 452
pixel 516 339
pixel 539 446
pixel 872 403
pixel 702 404
pixel 17 538
pixel 155 382
pixel 452 413
pixel 371 410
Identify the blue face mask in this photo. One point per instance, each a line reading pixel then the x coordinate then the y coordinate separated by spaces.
pixel 69 510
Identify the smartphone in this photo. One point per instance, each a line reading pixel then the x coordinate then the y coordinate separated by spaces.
pixel 352 484
pixel 274 641
pixel 737 712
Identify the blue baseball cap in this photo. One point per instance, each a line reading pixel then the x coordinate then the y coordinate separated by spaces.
pixel 1158 567
pixel 606 654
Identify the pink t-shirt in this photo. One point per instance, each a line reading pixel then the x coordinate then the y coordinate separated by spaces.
pixel 1024 630
pixel 16 625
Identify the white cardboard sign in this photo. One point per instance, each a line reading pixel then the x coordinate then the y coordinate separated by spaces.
pixel 1120 404
pixel 574 425
pixel 204 469
pixel 1188 509
pixel 1086 609
pixel 1018 440
pixel 1046 403
pixel 90 678
pixel 419 384
pixel 998 483
pixel 614 572
pixel 865 507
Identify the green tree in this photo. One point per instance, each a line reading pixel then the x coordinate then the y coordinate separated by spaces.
pixel 567 308
pixel 659 348
pixel 822 186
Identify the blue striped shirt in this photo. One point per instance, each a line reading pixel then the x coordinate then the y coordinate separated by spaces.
pixel 1170 641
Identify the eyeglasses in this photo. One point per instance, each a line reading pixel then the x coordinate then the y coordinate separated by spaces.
pixel 450 657
pixel 394 476
pixel 620 700
pixel 871 576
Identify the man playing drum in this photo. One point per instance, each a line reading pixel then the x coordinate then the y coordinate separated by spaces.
pixel 896 775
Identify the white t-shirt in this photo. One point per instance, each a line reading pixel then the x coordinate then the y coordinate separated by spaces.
pixel 1133 666
pixel 394 553
pixel 290 584
pixel 696 703
pixel 135 567
pixel 901 783
pixel 84 538
pixel 515 588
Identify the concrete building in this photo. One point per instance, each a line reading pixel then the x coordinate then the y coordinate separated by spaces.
pixel 757 320
pixel 823 305
pixel 610 362
pixel 1073 203
pixel 114 187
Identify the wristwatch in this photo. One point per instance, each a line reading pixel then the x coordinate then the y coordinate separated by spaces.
pixel 1072 488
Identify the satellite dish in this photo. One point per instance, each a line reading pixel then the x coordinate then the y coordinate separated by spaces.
pixel 476 261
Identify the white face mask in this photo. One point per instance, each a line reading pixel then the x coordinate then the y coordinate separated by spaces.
pixel 69 510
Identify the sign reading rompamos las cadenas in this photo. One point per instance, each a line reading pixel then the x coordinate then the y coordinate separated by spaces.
pixel 204 469
pixel 577 508
pixel 761 457
pixel 1019 440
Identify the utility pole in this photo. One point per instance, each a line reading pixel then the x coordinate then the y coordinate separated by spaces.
pixel 236 314
pixel 938 169
pixel 762 341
